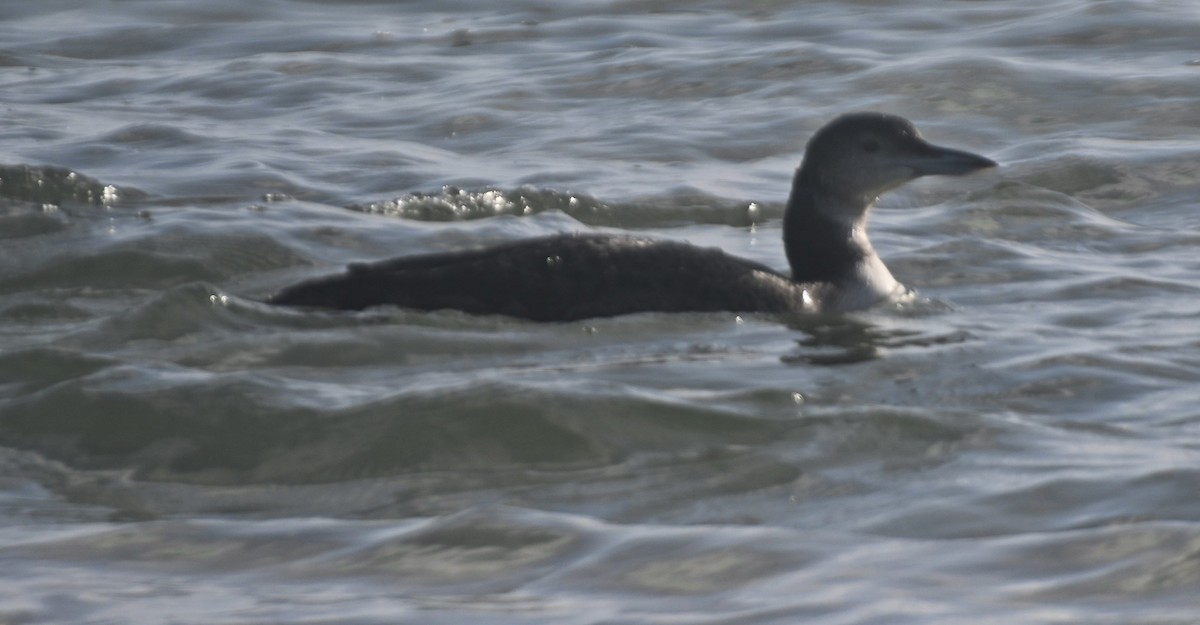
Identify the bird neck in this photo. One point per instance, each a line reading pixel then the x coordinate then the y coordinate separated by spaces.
pixel 825 237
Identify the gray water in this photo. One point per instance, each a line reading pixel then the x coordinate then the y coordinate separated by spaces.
pixel 1021 444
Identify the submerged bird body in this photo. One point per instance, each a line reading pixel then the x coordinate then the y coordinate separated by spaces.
pixel 847 164
pixel 561 278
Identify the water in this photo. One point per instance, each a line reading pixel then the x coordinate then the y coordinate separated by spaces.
pixel 1020 445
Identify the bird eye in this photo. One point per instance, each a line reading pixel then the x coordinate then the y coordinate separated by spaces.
pixel 870 146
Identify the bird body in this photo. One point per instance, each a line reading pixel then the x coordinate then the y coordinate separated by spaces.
pixel 561 278
pixel 848 163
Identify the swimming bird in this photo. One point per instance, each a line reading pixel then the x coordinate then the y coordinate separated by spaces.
pixel 847 164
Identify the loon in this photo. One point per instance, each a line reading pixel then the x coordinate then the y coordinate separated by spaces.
pixel 847 164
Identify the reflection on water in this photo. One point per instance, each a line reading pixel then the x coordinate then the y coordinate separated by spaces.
pixel 832 340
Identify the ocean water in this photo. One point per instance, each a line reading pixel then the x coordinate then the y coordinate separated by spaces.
pixel 1021 444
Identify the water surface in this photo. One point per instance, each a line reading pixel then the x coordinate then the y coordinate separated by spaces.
pixel 1020 444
